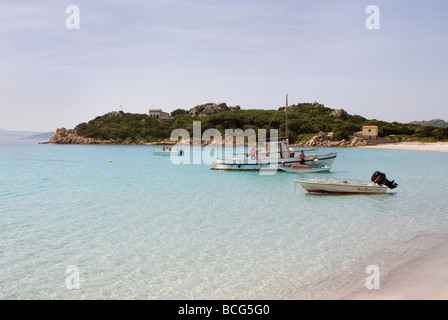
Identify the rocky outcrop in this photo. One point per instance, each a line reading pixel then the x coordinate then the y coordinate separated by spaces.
pixel 339 114
pixel 69 136
pixel 318 139
pixel 207 109
pixel 433 123
pixel 115 114
pixel 324 140
pixel 357 142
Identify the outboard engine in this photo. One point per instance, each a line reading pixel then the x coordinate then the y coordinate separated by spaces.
pixel 380 178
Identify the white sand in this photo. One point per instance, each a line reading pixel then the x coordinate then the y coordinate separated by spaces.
pixel 417 146
pixel 425 278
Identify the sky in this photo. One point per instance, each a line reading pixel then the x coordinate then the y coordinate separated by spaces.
pixel 136 55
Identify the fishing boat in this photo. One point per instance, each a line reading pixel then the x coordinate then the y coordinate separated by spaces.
pixel 302 169
pixel 175 152
pixel 272 156
pixel 266 159
pixel 378 185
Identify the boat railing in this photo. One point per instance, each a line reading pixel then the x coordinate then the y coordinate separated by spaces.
pixel 319 178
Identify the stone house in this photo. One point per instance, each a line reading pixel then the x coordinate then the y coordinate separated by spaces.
pixel 159 114
pixel 368 132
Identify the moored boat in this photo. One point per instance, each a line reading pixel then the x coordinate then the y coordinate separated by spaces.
pixel 379 185
pixel 302 169
pixel 341 187
pixel 266 159
pixel 175 152
pixel 273 156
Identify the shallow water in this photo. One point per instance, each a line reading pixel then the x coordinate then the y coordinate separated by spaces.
pixel 140 227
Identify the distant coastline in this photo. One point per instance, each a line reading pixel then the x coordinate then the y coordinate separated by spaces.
pixel 8 137
pixel 69 136
pixel 306 124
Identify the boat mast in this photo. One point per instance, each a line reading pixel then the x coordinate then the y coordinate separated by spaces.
pixel 286 120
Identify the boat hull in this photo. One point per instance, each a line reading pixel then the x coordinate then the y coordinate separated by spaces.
pixel 341 187
pixel 272 163
pixel 166 153
pixel 304 169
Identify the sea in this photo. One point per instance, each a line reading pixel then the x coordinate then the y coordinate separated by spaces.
pixel 118 222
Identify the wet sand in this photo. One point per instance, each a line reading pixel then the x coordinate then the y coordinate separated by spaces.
pixel 425 278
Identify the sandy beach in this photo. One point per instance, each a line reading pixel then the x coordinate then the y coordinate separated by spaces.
pixel 416 146
pixel 426 278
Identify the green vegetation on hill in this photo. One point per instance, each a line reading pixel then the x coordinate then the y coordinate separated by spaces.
pixel 304 119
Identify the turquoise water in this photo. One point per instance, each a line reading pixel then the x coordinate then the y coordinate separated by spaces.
pixel 144 228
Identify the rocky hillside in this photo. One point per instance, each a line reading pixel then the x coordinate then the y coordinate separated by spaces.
pixel 327 140
pixel 432 123
pixel 69 136
pixel 304 120
pixel 207 109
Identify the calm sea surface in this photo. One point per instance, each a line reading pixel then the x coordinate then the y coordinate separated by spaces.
pixel 143 228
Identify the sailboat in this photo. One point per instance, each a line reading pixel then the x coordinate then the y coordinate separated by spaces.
pixel 267 158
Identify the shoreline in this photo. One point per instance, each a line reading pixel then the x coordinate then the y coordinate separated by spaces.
pixel 422 278
pixel 414 146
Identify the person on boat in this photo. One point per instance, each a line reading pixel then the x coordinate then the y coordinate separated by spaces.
pixel 302 157
pixel 291 152
pixel 252 153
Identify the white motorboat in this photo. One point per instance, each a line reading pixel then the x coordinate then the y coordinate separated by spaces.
pixel 379 185
pixel 175 152
pixel 342 187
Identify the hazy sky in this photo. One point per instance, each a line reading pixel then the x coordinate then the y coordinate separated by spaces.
pixel 173 54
